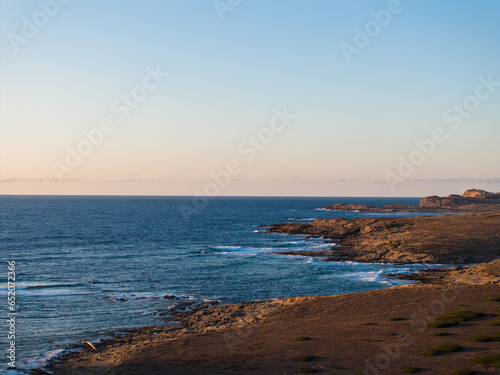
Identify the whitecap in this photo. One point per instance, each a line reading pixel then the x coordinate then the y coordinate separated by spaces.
pixel 367 276
pixel 242 248
pixel 226 247
pixel 40 361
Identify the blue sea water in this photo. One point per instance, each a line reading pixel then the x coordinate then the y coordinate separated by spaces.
pixel 90 266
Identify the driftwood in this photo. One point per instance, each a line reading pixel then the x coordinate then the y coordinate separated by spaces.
pixel 90 344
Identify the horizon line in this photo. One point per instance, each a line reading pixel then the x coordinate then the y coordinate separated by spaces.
pixel 209 197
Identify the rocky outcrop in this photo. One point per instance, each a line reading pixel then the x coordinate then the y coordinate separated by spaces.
pixel 458 239
pixel 473 200
pixel 478 193
pixel 435 201
pixel 479 274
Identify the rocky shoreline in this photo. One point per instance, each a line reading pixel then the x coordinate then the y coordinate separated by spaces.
pixel 450 239
pixel 376 332
pixel 457 239
pixel 479 274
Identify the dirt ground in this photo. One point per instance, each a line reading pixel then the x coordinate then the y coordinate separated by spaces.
pixel 376 332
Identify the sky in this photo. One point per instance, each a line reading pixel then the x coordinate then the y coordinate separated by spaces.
pixel 249 97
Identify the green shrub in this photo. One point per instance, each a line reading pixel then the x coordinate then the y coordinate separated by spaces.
pixel 491 299
pixel 460 316
pixel 441 324
pixel 492 359
pixel 448 348
pixel 302 338
pixel 480 339
pixel 440 334
pixel 494 324
pixel 306 370
pixel 453 319
pixel 410 369
pixel 303 358
pixel 430 352
pixel 493 338
pixel 464 372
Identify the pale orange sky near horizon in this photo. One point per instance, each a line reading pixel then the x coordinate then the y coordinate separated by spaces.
pixel 321 99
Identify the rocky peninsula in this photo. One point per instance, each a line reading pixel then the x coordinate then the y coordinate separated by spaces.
pixel 454 239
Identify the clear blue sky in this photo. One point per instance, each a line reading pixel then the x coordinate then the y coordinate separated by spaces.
pixel 354 120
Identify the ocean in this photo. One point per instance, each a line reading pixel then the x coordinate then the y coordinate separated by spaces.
pixel 96 266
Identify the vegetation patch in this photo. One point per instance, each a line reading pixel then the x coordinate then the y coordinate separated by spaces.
pixel 464 372
pixel 306 370
pixel 430 352
pixel 461 316
pixel 410 369
pixel 368 324
pixel 303 358
pixel 454 318
pixel 480 339
pixel 439 349
pixel 302 338
pixel 440 334
pixel 441 324
pixel 494 324
pixel 449 348
pixel 491 299
pixel 396 319
pixel 493 338
pixel 492 359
